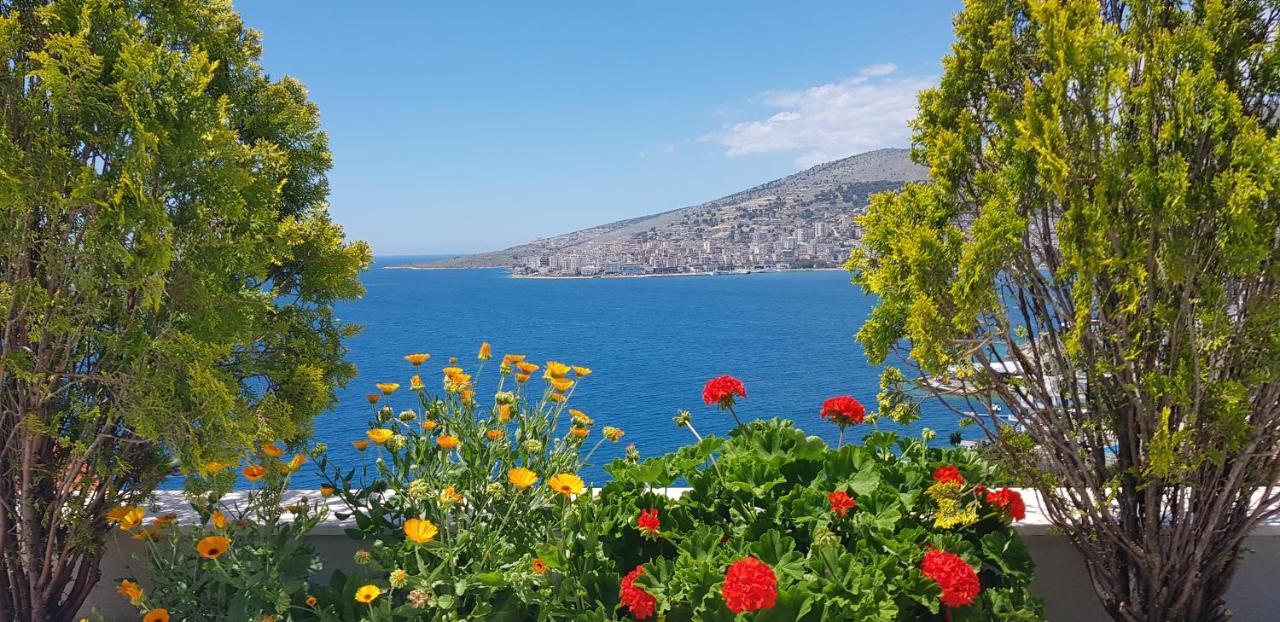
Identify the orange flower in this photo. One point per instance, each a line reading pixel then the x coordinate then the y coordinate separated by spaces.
pixel 578 431
pixel 272 449
pixel 521 477
pixel 566 484
pixel 504 412
pixel 556 369
pixel 486 352
pixel 509 359
pixel 527 368
pixel 213 468
pixel 253 472
pixel 380 435
pixel 450 495
pixel 522 377
pixel 494 435
pixel 580 417
pixel 417 359
pixel 360 445
pixel 128 516
pixel 558 398
pixel 367 593
pixel 311 601
pixel 612 433
pixel 539 566
pixel 420 530
pixel 212 547
pixel 387 388
pixel 218 519
pixel 373 397
pixel 130 590
pixel 327 491
pixel 429 425
pixel 581 372
pixel 415 382
pixel 297 462
pixel 561 384
pixel 159 614
pixel 447 441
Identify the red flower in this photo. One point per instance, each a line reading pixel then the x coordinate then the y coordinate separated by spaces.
pixel 722 391
pixel 641 603
pixel 749 585
pixel 948 473
pixel 841 502
pixel 648 522
pixel 843 410
pixel 955 576
pixel 1010 500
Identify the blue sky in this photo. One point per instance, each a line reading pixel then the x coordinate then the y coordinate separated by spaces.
pixel 473 126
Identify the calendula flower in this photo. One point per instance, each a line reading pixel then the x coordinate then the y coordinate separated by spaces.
pixel 159 614
pixel 311 601
pixel 580 417
pixel 415 382
pixel 373 398
pixel 297 462
pixel 130 590
pixel 566 484
pixel 272 449
pixel 380 435
pixel 522 378
pixel 556 370
pixel 612 433
pixel 387 388
pixel 398 578
pixel 450 495
pixel 557 398
pixel 367 593
pixel 521 477
pixel 468 396
pixel 407 415
pixel 447 441
pixel 253 472
pixel 538 566
pixel 486 352
pixel 327 490
pixel 418 489
pixel 212 547
pixel 453 360
pixel 127 516
pixel 504 412
pixel 494 435
pixel 560 384
pixel 420 530
pixel 511 359
pixel 363 557
pixel 418 599
pixel 578 432
pixel 429 425
pixel 417 359
pixel 152 532
pixel 526 368
pixel 581 372
pixel 218 519
pixel 360 445
pixel 213 468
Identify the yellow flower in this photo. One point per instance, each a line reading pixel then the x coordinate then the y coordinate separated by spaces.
pixel 387 388
pixel 447 441
pixel 272 449
pixel 486 352
pixel 380 435
pixel 450 495
pixel 420 530
pixel 558 398
pixel 213 468
pixel 415 382
pixel 582 372
pixel 417 359
pixel 612 433
pixel 556 369
pixel 159 614
pixel 522 377
pixel 511 359
pixel 311 601
pixel 367 593
pixel 154 532
pixel 429 425
pixel 218 519
pixel 526 368
pixel 493 435
pixel 128 516
pixel 130 590
pixel 578 431
pixel 580 417
pixel 360 445
pixel 561 384
pixel 566 484
pixel 327 491
pixel 504 412
pixel 522 478
pixel 253 472
pixel 297 462
pixel 212 547
pixel 468 396
pixel 398 578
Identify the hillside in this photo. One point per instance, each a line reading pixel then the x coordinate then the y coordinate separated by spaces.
pixel 804 216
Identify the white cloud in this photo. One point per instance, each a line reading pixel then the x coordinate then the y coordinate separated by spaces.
pixel 867 111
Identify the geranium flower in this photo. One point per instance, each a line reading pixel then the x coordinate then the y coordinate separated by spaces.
pixel 380 435
pixel 749 585
pixel 566 484
pixel 159 614
pixel 955 576
pixel 486 352
pixel 1010 500
pixel 841 502
pixel 648 522
pixel 387 388
pixel 722 391
pixel 447 441
pixel 253 472
pixel 640 603
pixel 521 477
pixel 212 547
pixel 367 593
pixel 843 410
pixel 420 530
pixel 130 590
pixel 417 359
pixel 948 474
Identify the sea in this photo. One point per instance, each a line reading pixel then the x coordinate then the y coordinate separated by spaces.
pixel 652 342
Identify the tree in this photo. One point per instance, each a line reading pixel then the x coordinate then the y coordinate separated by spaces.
pixel 1099 251
pixel 168 270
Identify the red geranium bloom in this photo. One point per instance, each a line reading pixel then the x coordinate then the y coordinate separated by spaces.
pixel 841 502
pixel 843 410
pixel 749 585
pixel 722 391
pixel 955 576
pixel 648 522
pixel 641 603
pixel 948 473
pixel 1010 500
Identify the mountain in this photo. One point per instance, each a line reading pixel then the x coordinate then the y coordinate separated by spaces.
pixel 803 219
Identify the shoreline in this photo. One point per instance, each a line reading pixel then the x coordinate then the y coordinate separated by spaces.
pixel 614 276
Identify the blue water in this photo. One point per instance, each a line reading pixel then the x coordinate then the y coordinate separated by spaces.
pixel 651 343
